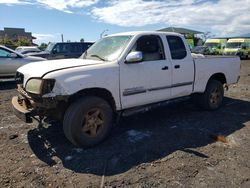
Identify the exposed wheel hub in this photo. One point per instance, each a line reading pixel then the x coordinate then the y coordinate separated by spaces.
pixel 215 96
pixel 93 122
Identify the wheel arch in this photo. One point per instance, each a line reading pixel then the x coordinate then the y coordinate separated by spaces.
pixel 97 92
pixel 218 77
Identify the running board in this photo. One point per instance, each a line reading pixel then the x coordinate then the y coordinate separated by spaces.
pixel 148 107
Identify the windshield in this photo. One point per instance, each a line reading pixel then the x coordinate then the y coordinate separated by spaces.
pixel 234 45
pixel 107 49
pixel 213 45
pixel 50 47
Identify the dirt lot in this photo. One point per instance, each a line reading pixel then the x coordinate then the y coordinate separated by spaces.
pixel 173 146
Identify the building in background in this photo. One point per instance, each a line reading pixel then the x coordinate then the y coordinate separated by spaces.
pixel 15 34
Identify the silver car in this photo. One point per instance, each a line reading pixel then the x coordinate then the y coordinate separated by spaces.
pixel 10 61
pixel 27 49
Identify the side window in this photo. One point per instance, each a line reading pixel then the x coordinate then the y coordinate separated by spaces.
pixel 75 48
pixel 85 46
pixel 177 47
pixel 4 53
pixel 62 48
pixel 66 48
pixel 151 47
pixel 56 48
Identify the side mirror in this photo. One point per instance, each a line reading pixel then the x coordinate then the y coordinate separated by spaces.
pixel 12 55
pixel 134 57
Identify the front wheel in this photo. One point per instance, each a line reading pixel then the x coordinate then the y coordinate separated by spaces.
pixel 88 121
pixel 213 96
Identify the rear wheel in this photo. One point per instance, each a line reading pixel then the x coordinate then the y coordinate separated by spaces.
pixel 213 96
pixel 88 121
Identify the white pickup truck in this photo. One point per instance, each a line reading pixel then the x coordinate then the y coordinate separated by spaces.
pixel 120 74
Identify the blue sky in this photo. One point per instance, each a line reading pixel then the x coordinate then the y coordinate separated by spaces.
pixel 77 19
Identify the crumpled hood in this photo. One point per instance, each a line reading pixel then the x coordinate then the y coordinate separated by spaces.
pixel 39 69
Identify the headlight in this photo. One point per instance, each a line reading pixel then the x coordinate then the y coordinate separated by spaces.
pixel 34 86
pixel 39 86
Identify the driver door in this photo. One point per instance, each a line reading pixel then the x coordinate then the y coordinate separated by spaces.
pixel 147 81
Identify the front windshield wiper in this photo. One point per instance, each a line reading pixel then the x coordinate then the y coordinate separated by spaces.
pixel 95 55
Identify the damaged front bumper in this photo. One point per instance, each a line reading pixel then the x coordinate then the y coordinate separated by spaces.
pixel 20 109
pixel 25 106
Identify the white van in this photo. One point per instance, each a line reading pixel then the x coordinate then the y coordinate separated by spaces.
pixel 239 47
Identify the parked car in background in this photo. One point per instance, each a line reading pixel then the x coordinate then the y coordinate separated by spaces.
pixel 216 45
pixel 63 50
pixel 27 49
pixel 201 50
pixel 10 61
pixel 239 47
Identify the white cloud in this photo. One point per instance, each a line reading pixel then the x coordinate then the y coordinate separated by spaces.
pixel 40 37
pixel 61 5
pixel 11 2
pixel 222 17
pixel 66 5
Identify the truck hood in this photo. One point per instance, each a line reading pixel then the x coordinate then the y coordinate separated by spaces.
pixel 39 69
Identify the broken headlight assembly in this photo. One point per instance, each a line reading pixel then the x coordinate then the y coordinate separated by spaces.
pixel 39 86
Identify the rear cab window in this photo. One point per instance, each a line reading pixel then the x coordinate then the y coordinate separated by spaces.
pixel 177 47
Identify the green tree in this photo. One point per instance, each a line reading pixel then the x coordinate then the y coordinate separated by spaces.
pixel 6 42
pixel 43 46
pixel 23 42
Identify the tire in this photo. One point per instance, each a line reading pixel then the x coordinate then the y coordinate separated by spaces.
pixel 88 121
pixel 212 98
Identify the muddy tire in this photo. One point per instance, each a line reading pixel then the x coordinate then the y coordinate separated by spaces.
pixel 88 121
pixel 213 96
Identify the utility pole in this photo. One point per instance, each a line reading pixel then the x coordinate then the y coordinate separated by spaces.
pixel 62 37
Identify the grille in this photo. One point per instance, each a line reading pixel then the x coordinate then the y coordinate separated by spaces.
pixel 19 78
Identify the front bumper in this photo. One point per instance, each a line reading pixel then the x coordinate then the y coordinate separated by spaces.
pixel 26 106
pixel 20 109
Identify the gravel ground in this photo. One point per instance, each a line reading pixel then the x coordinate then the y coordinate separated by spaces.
pixel 173 146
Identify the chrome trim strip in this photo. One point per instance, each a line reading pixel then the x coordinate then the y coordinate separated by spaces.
pixel 159 88
pixel 134 91
pixel 139 90
pixel 182 84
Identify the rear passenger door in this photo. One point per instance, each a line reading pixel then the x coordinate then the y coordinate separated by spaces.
pixel 182 66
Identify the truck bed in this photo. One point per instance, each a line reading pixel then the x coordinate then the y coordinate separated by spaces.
pixel 207 66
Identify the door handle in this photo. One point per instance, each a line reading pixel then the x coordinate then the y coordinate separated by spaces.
pixel 164 68
pixel 177 66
